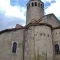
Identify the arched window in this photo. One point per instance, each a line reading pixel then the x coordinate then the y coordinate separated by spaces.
pixel 35 3
pixel 56 48
pixel 39 4
pixel 32 4
pixel 14 47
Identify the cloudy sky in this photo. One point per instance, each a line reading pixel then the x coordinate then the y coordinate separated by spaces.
pixel 13 12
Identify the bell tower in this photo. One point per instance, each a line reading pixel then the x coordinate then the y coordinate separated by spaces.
pixel 35 10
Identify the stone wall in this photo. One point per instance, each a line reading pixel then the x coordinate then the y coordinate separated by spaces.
pixel 56 40
pixel 43 43
pixel 50 19
pixel 34 12
pixel 38 43
pixel 6 43
pixel 29 44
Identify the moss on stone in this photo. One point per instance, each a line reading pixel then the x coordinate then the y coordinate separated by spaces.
pixel 40 57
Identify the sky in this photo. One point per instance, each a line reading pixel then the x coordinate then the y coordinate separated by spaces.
pixel 13 12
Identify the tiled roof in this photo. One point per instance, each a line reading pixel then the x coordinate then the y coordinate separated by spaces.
pixel 12 29
pixel 36 23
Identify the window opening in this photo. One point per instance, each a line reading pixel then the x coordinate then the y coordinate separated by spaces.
pixel 14 47
pixel 39 4
pixel 32 4
pixel 35 3
pixel 56 48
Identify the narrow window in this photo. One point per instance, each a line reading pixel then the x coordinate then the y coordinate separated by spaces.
pixel 56 48
pixel 32 4
pixel 29 4
pixel 35 3
pixel 39 4
pixel 14 47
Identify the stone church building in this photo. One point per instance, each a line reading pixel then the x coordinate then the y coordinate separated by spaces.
pixel 38 40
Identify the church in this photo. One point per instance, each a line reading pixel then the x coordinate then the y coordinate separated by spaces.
pixel 39 39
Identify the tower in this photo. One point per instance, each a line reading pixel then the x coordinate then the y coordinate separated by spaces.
pixel 35 10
